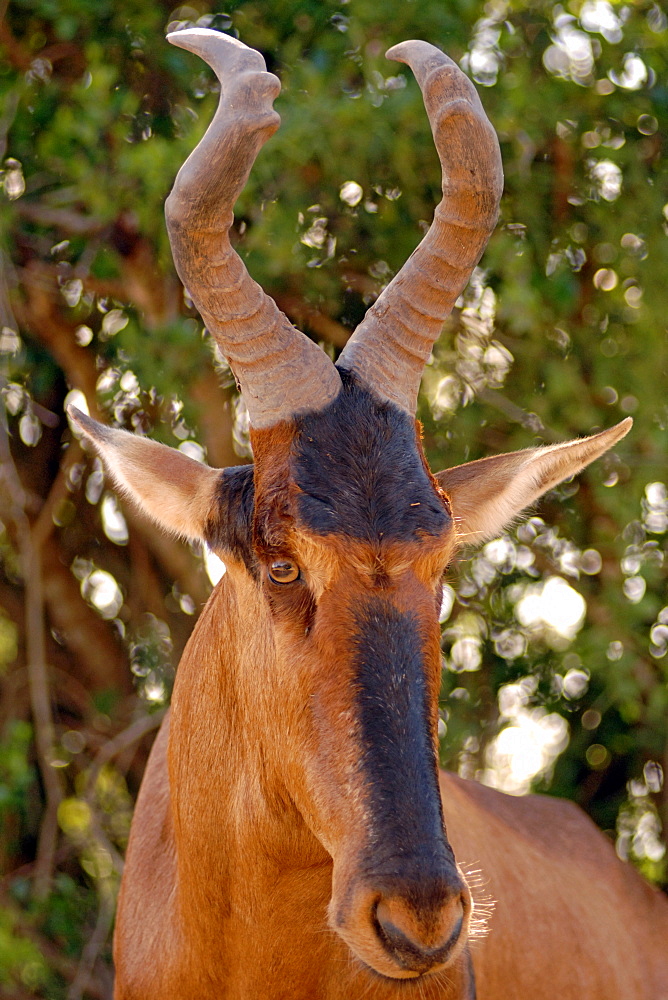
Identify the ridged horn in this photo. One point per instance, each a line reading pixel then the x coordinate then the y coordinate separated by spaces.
pixel 391 345
pixel 281 372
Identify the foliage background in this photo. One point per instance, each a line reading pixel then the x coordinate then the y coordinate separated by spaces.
pixel 562 332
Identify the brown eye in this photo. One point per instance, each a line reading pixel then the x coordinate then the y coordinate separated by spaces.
pixel 283 571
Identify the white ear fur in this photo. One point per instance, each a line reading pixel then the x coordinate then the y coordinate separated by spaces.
pixel 175 491
pixel 486 495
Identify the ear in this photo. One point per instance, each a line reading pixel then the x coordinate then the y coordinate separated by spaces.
pixel 170 488
pixel 486 495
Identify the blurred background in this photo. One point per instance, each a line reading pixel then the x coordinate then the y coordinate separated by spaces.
pixel 554 635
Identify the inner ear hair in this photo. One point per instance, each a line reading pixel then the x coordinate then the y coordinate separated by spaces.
pixel 488 494
pixel 230 527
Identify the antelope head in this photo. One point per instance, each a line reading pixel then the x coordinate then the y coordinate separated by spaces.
pixel 340 528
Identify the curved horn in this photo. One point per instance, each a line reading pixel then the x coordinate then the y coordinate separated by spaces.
pixel 281 372
pixel 391 345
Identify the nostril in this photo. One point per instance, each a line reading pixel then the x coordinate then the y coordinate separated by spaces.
pixel 416 938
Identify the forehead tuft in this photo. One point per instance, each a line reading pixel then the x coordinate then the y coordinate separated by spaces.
pixel 359 471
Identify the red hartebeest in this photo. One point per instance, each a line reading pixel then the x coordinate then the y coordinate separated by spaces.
pixel 289 839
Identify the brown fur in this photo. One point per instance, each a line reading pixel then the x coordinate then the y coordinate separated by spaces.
pixel 250 869
pixel 229 875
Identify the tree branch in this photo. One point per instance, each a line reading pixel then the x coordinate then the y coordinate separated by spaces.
pixel 126 738
pixel 82 981
pixel 14 500
pixel 305 315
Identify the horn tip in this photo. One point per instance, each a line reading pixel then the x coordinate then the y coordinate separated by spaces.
pixel 397 53
pixel 415 50
pixel 194 39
